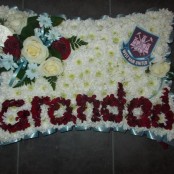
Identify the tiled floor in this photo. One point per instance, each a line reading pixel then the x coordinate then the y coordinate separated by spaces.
pixel 87 152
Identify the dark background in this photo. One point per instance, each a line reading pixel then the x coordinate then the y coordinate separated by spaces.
pixel 87 152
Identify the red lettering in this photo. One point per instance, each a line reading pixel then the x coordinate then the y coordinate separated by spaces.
pixel 22 116
pixel 112 101
pixel 82 101
pixel 165 112
pixel 67 115
pixel 36 108
pixel 142 120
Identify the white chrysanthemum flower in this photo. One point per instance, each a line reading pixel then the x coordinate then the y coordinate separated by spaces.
pixel 44 21
pixel 8 62
pixel 16 21
pixel 3 12
pixel 162 119
pixel 32 71
pixel 59 113
pixel 53 34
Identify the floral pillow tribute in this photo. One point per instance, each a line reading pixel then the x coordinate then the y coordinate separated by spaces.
pixel 106 74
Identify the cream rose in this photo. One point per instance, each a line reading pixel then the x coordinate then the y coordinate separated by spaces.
pixel 34 50
pixel 159 69
pixel 51 67
pixel 16 22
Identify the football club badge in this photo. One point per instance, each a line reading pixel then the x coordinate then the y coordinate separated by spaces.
pixel 139 48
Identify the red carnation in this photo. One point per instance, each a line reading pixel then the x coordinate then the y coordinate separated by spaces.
pixel 63 47
pixel 12 46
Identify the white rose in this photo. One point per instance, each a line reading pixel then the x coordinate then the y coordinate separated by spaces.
pixel 159 69
pixel 16 22
pixel 51 67
pixel 4 33
pixel 34 50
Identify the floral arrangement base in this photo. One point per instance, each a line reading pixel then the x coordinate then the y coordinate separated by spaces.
pixel 106 74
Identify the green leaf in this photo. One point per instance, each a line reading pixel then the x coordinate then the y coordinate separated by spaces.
pixel 28 30
pixel 20 76
pixel 76 43
pixel 170 76
pixel 56 20
pixel 21 73
pixel 54 53
pixel 2 70
pixel 78 40
pixel 72 45
pixel 74 38
pixel 147 70
pixel 26 82
pixel 33 23
pixel 172 67
pixel 52 80
pixel 2 21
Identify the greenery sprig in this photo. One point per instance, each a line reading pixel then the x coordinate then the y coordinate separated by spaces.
pixel 52 80
pixel 76 42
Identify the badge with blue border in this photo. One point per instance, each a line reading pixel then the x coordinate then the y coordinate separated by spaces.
pixel 139 48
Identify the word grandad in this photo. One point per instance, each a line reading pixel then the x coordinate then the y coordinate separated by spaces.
pixel 148 117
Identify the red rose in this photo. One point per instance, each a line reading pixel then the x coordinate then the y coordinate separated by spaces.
pixel 63 47
pixel 12 46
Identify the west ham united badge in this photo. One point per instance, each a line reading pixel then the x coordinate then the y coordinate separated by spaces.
pixel 139 48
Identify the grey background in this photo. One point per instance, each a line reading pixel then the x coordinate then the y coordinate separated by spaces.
pixel 87 152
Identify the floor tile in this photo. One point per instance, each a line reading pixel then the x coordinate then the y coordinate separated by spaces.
pixel 11 3
pixel 127 6
pixel 135 155
pixel 8 159
pixel 76 152
pixel 71 8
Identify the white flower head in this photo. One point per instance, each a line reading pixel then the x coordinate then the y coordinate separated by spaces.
pixel 16 21
pixel 51 67
pixel 34 51
pixel 32 71
pixel 162 119
pixel 54 34
pixel 4 11
pixel 8 62
pixel 160 69
pixel 44 20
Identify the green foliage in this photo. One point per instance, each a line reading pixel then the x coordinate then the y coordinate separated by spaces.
pixel 2 70
pixel 54 53
pixel 28 30
pixel 170 76
pixel 23 79
pixel 52 80
pixel 21 73
pixel 33 23
pixel 147 70
pixel 2 21
pixel 26 82
pixel 56 20
pixel 76 42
